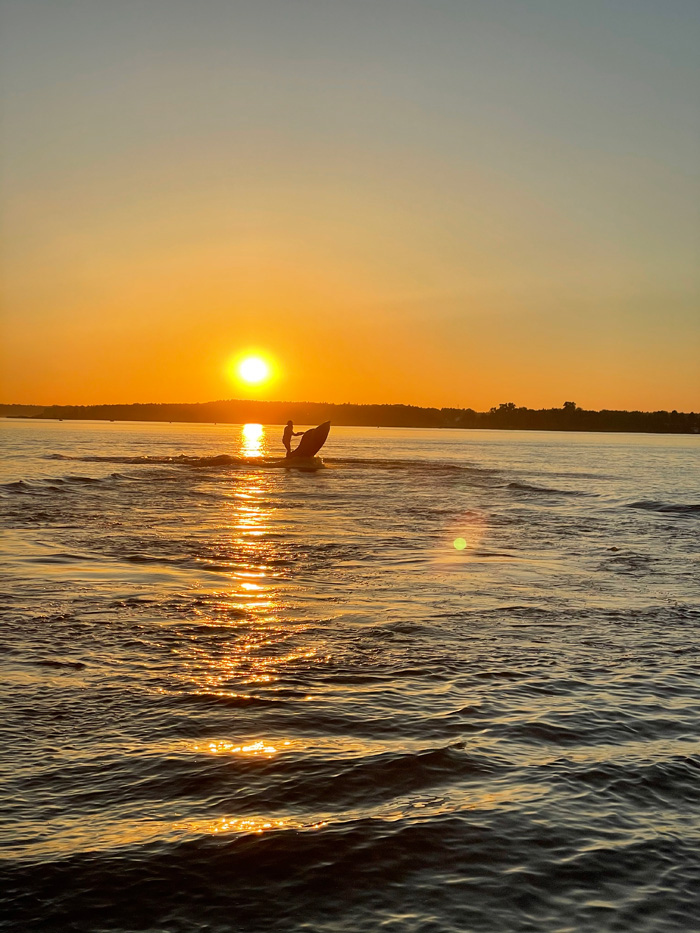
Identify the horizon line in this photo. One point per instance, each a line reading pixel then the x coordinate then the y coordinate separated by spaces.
pixel 336 404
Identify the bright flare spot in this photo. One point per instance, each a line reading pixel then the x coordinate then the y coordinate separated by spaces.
pixel 460 544
pixel 253 370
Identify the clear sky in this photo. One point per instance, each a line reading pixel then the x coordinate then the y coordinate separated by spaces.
pixel 437 202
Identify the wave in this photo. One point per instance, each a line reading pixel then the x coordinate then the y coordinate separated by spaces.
pixel 238 462
pixel 18 487
pixel 653 505
pixel 544 490
pixel 51 662
pixel 56 484
pixel 220 460
pixel 643 783
pixel 362 874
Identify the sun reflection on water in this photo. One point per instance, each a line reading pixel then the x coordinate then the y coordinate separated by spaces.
pixel 252 440
pixel 250 825
pixel 228 748
pixel 259 825
pixel 247 525
pixel 244 660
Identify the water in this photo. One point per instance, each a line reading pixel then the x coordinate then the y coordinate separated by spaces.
pixel 447 683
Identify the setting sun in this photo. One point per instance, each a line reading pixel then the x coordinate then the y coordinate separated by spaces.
pixel 253 370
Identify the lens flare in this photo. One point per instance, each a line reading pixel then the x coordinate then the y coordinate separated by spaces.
pixel 464 536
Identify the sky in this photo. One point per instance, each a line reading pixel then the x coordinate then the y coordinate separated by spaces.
pixel 434 202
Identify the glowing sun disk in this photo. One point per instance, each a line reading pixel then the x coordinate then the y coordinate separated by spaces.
pixel 253 370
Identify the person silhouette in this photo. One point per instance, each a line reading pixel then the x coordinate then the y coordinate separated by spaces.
pixel 288 434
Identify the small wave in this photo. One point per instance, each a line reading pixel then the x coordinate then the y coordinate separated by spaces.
pixel 416 465
pixel 56 484
pixel 230 460
pixel 52 662
pixel 114 459
pixel 647 784
pixel 59 557
pixel 407 772
pixel 219 460
pixel 653 505
pixel 544 490
pixel 233 700
pixel 18 487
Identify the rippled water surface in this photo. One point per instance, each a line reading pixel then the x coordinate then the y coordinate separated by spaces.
pixel 448 682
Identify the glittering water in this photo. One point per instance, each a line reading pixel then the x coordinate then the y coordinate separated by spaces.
pixel 449 682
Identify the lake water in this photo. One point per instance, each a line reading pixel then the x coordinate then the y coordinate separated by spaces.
pixel 450 682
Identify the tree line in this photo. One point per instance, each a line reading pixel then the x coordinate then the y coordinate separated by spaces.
pixel 507 416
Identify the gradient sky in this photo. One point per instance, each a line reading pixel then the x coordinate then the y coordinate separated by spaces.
pixel 444 202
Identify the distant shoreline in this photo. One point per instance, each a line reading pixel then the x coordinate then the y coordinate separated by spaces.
pixel 506 416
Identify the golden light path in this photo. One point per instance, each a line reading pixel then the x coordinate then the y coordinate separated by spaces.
pixel 247 644
pixel 223 747
pixel 252 658
pixel 252 440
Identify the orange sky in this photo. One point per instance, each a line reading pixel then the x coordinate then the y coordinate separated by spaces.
pixel 484 204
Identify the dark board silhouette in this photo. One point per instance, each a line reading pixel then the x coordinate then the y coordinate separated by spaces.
pixel 312 441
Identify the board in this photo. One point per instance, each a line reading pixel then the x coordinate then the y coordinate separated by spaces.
pixel 312 441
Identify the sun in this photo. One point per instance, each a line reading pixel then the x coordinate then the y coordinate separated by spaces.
pixel 253 370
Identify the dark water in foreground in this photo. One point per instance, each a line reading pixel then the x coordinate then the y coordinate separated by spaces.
pixel 448 683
